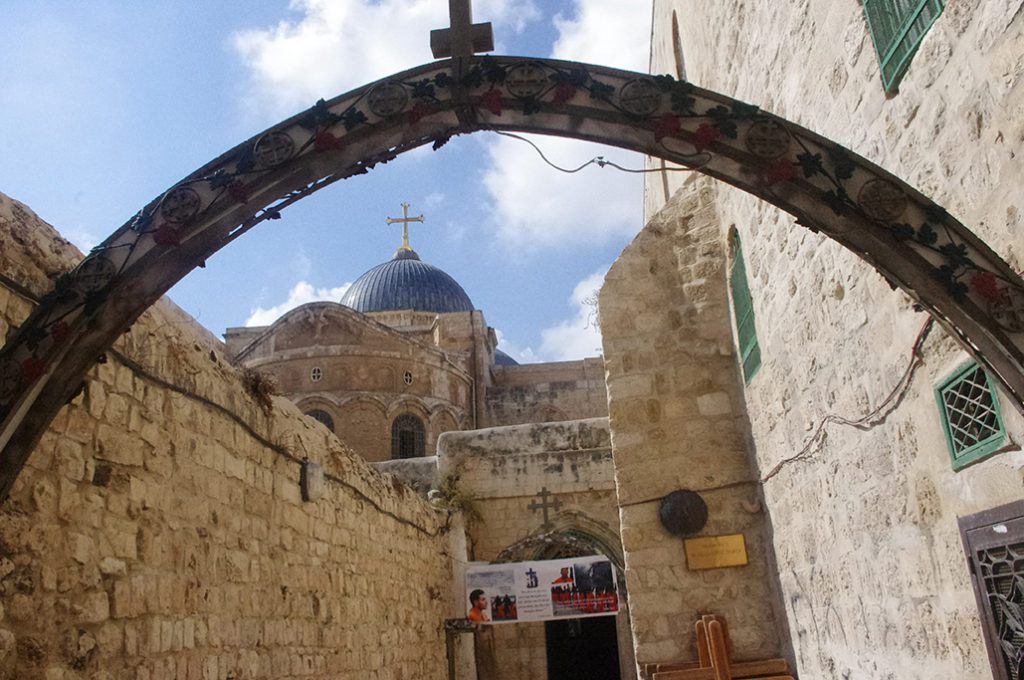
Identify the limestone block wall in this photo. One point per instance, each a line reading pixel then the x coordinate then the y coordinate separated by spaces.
pixel 504 469
pixel 678 421
pixel 870 560
pixel 549 392
pixel 158 531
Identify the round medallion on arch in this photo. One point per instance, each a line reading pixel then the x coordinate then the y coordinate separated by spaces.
pixel 1008 311
pixel 882 200
pixel 640 97
pixel 766 139
pixel 273 149
pixel 180 205
pixel 387 99
pixel 95 272
pixel 525 81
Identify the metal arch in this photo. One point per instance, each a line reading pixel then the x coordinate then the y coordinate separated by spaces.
pixel 967 287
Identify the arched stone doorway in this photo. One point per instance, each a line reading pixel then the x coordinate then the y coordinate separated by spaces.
pixel 910 240
pixel 587 648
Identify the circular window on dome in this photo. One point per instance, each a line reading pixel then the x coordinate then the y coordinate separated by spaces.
pixel 407 377
pixel 322 417
pixel 316 373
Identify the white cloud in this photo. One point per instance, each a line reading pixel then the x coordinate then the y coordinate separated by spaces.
pixel 337 45
pixel 575 338
pixel 524 355
pixel 536 205
pixel 579 336
pixel 434 199
pixel 606 32
pixel 299 295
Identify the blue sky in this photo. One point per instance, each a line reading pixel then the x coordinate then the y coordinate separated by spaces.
pixel 107 103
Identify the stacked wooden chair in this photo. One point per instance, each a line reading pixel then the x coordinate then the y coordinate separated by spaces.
pixel 713 659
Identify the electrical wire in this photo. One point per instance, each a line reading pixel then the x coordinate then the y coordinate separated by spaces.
pixel 868 420
pixel 596 160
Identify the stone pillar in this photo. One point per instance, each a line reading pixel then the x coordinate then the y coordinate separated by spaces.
pixel 678 421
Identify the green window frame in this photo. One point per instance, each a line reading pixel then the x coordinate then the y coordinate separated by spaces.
pixel 897 28
pixel 743 313
pixel 971 420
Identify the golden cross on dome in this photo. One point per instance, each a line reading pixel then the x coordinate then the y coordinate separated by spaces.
pixel 405 220
pixel 464 38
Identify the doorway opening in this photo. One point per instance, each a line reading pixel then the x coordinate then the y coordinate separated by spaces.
pixel 582 649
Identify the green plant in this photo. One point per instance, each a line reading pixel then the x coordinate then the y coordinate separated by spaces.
pixel 450 497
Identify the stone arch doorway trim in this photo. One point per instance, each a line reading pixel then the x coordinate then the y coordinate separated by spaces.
pixel 912 241
pixel 570 531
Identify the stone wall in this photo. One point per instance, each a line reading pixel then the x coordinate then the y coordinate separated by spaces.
pixel 549 392
pixel 158 531
pixel 677 417
pixel 865 518
pixel 504 470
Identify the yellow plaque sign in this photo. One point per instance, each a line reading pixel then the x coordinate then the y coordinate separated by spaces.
pixel 715 551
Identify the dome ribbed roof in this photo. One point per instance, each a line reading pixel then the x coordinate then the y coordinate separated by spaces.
pixel 406 282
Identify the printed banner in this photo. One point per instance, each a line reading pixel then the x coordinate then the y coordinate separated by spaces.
pixel 542 590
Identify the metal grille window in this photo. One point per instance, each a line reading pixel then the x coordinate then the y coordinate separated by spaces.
pixel 994 542
pixel 407 437
pixel 743 309
pixel 897 28
pixel 970 415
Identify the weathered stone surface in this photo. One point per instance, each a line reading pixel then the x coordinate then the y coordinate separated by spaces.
pixel 148 522
pixel 864 523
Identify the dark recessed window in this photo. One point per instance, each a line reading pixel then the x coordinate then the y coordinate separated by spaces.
pixel 897 28
pixel 408 437
pixel 970 415
pixel 322 417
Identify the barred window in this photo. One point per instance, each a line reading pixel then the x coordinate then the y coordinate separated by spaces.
pixel 994 542
pixel 407 437
pixel 970 415
pixel 897 28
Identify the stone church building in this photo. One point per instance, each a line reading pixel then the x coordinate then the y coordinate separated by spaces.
pixel 403 357
pixel 180 521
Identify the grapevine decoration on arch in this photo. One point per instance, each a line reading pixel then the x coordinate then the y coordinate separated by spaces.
pixel 825 186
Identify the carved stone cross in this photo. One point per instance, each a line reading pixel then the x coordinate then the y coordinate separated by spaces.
pixel 544 505
pixel 405 220
pixel 464 38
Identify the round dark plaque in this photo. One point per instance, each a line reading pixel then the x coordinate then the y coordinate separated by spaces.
pixel 683 512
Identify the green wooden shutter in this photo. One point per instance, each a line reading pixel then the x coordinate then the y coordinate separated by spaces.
pixel 743 308
pixel 897 28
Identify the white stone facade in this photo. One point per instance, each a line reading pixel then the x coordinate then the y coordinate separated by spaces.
pixel 863 518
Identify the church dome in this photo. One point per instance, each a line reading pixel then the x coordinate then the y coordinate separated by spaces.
pixel 406 282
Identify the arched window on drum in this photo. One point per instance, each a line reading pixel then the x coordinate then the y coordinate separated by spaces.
pixel 322 417
pixel 408 437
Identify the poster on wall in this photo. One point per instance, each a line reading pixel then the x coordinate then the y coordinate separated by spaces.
pixel 541 590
